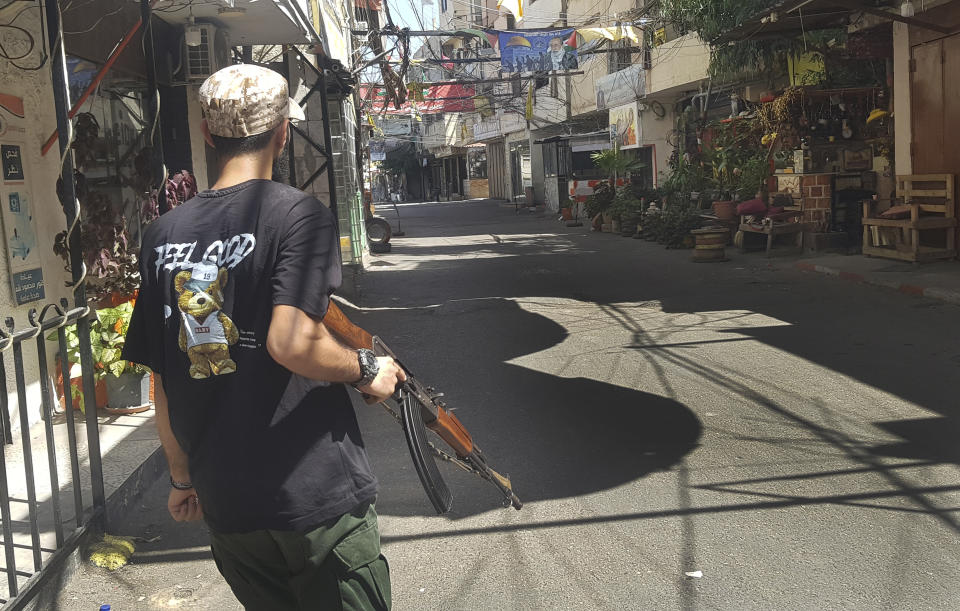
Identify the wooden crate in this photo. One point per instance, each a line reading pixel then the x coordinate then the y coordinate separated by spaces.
pixel 932 206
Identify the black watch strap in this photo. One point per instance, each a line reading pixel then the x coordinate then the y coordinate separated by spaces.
pixel 180 485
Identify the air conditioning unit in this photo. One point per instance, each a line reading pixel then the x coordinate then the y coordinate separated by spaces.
pixel 210 55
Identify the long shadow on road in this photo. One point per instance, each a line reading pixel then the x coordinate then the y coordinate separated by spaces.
pixel 882 340
pixel 557 436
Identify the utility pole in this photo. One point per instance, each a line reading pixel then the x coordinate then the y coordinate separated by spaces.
pixel 569 85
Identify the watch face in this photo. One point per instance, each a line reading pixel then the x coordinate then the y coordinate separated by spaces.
pixel 368 361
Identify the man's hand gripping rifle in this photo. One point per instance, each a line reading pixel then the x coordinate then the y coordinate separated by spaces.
pixel 419 410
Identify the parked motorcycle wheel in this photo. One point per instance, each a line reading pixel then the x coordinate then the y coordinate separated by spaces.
pixel 378 231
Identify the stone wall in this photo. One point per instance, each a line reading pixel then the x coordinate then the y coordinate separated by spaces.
pixel 41 173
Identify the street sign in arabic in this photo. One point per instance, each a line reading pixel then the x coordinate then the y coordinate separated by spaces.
pixel 28 286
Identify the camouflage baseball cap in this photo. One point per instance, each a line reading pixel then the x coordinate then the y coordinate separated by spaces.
pixel 246 100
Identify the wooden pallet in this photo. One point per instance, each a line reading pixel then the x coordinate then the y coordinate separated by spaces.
pixel 930 198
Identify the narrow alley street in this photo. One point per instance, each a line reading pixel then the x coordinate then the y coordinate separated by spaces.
pixel 727 436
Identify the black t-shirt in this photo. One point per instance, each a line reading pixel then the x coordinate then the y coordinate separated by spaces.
pixel 268 449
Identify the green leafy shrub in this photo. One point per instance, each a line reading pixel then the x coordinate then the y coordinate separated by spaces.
pixel 672 226
pixel 600 200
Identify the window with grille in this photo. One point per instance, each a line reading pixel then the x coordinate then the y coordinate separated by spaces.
pixel 619 59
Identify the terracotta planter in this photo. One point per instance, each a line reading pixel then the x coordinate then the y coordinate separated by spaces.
pixel 725 210
pixel 566 214
pixel 101 392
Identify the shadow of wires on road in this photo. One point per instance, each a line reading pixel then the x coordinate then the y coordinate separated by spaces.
pixel 556 436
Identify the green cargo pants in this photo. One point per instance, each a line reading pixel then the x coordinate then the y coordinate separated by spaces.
pixel 337 566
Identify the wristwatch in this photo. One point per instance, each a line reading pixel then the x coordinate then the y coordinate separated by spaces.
pixel 369 367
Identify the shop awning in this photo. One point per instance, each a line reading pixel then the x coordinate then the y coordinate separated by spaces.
pixel 794 17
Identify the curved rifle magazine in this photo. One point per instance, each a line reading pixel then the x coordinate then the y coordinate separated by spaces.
pixel 423 459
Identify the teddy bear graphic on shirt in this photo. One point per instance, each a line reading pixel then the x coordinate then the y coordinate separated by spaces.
pixel 206 332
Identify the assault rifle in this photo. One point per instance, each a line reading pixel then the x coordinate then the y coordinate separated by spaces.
pixel 420 409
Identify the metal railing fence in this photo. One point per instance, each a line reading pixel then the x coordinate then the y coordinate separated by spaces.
pixel 55 318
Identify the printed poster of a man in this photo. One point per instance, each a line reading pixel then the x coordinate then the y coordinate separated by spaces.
pixel 558 57
pixel 538 51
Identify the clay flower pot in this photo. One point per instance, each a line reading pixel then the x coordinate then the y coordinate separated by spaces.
pixel 725 210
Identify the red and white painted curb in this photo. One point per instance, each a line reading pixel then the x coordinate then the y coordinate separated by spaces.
pixel 909 289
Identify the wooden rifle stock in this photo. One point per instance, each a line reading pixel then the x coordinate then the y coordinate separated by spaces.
pixel 350 334
pixel 450 430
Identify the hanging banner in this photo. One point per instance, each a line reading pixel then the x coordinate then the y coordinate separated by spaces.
pixel 16 209
pixel 538 51
pixel 621 87
pixel 625 126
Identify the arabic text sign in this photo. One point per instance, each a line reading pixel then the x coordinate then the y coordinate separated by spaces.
pixel 28 286
pixel 538 51
pixel 12 163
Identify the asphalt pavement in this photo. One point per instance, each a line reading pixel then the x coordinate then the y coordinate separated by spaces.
pixel 735 435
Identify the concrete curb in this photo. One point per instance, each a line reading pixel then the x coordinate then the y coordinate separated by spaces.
pixel 908 289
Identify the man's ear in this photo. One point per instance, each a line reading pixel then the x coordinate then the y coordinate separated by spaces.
pixel 283 134
pixel 206 133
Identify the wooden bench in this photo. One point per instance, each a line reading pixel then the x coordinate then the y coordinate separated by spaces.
pixel 788 222
pixel 926 203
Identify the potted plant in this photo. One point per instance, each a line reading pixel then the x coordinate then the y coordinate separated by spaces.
pixel 598 203
pixel 566 210
pixel 616 164
pixel 73 369
pixel 128 384
pixel 626 209
pixel 110 255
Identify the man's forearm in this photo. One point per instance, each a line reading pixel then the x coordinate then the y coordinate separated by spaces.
pixel 176 457
pixel 305 346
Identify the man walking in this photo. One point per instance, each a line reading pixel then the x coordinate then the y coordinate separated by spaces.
pixel 252 412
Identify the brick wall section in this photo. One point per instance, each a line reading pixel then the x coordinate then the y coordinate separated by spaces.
pixel 816 197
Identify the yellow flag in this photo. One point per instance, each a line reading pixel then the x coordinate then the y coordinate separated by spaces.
pixel 529 113
pixel 514 6
pixel 612 33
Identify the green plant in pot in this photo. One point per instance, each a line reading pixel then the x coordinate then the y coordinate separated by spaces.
pixel 616 164
pixel 73 368
pixel 600 200
pixel 627 210
pixel 752 175
pixel 128 384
